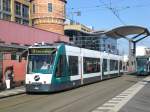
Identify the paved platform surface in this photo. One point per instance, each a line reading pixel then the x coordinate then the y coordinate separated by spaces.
pixel 134 99
pixel 131 98
pixel 12 92
pixel 140 102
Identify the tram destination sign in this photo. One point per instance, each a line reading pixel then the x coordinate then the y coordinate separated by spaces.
pixel 41 50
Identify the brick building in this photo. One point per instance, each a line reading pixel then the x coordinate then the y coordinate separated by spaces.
pixel 49 15
pixel 16 10
pixel 44 14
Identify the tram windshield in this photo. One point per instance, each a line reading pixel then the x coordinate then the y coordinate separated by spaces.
pixel 40 64
pixel 142 63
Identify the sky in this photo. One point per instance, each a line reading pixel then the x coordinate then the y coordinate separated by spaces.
pixel 109 14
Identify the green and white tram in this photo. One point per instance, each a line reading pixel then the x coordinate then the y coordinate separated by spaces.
pixel 58 67
pixel 143 65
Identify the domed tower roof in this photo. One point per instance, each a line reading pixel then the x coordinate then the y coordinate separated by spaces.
pixel 49 15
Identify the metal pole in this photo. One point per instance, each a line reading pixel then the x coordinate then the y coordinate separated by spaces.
pixel 130 54
pixel 134 55
pixel 134 49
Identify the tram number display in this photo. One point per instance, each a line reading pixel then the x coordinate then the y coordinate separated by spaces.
pixel 42 50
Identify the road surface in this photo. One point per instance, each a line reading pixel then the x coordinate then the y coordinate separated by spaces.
pixel 82 99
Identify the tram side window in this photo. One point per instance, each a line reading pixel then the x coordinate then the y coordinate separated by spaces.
pixel 60 66
pixel 73 65
pixel 120 65
pixel 113 65
pixel 116 64
pixel 105 65
pixel 91 65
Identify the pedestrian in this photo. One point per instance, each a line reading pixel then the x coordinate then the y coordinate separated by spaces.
pixel 9 77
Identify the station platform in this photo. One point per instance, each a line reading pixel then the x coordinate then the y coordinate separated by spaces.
pixel 134 99
pixel 140 102
pixel 12 92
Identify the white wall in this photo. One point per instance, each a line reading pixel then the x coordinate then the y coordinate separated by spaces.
pixel 125 58
pixel 140 51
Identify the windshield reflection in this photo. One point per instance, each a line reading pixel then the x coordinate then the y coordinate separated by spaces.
pixel 40 64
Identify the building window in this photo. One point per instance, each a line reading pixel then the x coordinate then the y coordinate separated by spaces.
pixel 91 65
pixel 73 65
pixel 0 15
pixel 25 11
pixel 6 5
pixel 18 8
pixel 18 20
pixel 25 22
pixel 33 8
pixel 6 17
pixel 64 10
pixel 49 7
pixel 0 5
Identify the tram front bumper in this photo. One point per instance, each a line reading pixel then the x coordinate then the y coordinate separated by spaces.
pixel 38 88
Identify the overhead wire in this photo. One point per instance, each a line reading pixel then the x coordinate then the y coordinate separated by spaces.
pixel 114 11
pixel 103 6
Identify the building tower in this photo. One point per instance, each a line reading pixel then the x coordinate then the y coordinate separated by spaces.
pixel 49 15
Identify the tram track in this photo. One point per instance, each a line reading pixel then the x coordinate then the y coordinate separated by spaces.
pixel 89 96
pixel 17 102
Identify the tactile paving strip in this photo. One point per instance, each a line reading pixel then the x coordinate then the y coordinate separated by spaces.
pixel 116 103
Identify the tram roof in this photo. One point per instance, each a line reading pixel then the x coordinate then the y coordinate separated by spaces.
pixel 127 30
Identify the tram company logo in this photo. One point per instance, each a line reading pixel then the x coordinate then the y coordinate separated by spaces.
pixel 37 78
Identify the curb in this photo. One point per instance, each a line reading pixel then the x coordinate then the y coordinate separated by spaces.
pixel 12 92
pixel 120 100
pixel 1 97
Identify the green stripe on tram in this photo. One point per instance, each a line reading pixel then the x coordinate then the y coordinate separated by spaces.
pixel 61 53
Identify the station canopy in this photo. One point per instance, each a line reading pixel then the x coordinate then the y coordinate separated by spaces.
pixel 11 48
pixel 124 31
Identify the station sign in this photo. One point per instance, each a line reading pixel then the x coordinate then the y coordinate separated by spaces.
pixel 8 49
pixel 41 50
